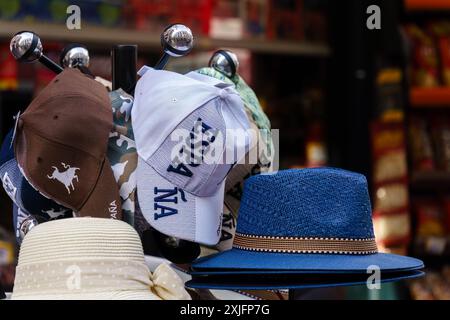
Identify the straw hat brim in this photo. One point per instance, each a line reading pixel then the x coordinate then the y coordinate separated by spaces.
pixel 118 295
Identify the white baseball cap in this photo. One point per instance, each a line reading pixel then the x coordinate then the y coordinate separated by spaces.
pixel 185 150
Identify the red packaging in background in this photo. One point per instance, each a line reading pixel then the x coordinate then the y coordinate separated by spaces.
pixel 444 51
pixel 194 13
pixel 441 32
pixel 421 146
pixel 425 71
pixel 143 14
pixel 387 136
pixel 440 131
pixel 156 14
pixel 8 70
pixel 390 185
pixel 285 20
pixel 430 218
pixel 226 22
pixel 231 19
pixel 254 14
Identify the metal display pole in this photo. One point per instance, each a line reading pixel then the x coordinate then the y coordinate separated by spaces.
pixel 124 58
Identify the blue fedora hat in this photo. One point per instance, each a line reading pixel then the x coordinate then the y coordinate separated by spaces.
pixel 21 192
pixel 306 220
pixel 292 281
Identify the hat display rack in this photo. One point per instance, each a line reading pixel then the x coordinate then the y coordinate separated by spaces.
pixel 177 40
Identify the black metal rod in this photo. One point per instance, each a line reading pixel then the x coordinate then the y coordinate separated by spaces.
pixel 85 70
pixel 162 62
pixel 50 64
pixel 124 58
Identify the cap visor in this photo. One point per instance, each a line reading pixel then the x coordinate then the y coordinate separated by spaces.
pixel 176 213
pixel 236 259
pixel 282 281
pixel 104 201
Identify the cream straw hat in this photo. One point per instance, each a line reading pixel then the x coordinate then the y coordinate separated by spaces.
pixel 90 258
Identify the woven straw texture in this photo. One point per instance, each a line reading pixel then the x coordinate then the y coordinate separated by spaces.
pixel 83 238
pixel 90 258
pixel 322 202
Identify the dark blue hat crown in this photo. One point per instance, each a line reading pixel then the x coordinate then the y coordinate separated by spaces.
pixel 318 203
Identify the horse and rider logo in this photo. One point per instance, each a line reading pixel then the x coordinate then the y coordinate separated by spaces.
pixel 66 177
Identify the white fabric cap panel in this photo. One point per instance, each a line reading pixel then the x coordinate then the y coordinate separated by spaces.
pixel 186 201
pixel 194 160
pixel 170 210
pixel 163 99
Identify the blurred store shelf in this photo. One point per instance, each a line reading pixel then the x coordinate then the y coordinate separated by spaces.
pixel 432 246
pixel 430 97
pixel 427 4
pixel 432 179
pixel 101 36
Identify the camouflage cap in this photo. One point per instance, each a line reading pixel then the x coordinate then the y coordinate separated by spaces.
pixel 122 153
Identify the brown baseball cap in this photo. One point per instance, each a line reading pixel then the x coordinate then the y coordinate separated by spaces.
pixel 61 144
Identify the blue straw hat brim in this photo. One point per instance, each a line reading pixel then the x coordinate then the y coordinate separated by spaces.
pixel 204 283
pixel 236 259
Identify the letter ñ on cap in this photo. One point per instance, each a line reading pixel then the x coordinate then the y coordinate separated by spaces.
pixel 61 144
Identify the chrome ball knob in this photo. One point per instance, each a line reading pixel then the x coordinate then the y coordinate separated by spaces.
pixel 26 46
pixel 225 61
pixel 177 40
pixel 75 56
